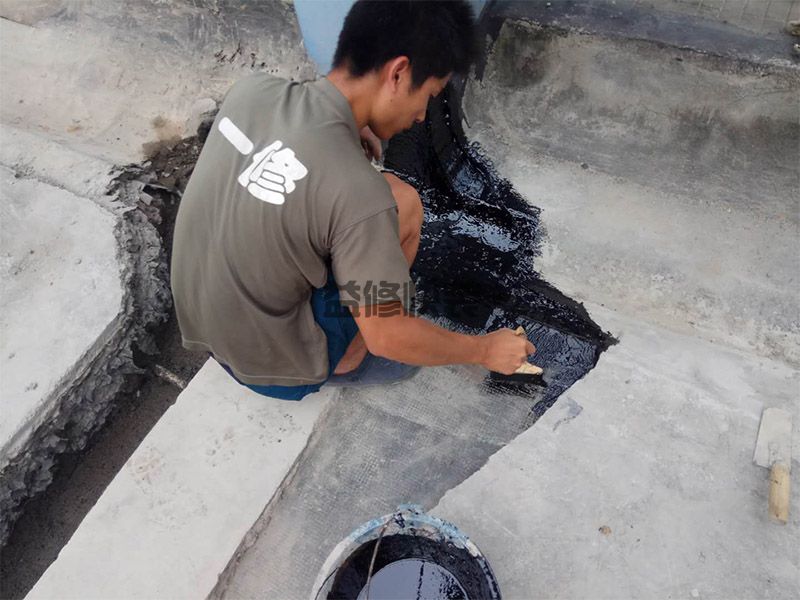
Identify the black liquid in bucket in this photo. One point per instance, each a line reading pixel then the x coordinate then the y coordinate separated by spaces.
pixel 414 568
pixel 413 579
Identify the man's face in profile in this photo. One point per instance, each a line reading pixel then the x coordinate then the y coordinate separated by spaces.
pixel 404 106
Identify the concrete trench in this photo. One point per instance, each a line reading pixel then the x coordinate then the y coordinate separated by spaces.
pixel 144 380
pixel 86 308
pixel 654 157
pixel 75 406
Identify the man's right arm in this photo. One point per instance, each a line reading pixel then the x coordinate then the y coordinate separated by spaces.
pixel 391 332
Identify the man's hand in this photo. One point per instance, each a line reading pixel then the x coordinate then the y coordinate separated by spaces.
pixel 505 351
pixel 371 144
pixel 414 341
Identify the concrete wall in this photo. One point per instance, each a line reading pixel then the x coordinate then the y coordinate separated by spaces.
pixel 697 158
pixel 117 78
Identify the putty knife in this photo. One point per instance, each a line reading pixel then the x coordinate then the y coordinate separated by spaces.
pixel 774 451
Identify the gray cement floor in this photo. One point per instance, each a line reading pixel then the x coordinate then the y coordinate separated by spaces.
pixel 69 72
pixel 650 491
pixel 49 519
pixel 681 236
pixel 376 448
pixel 667 424
pixel 666 182
pixel 766 17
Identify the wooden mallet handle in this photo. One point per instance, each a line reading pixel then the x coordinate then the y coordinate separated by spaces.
pixel 779 488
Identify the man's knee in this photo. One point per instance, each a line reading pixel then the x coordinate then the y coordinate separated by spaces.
pixel 409 207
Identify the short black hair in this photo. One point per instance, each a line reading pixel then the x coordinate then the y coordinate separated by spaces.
pixel 437 37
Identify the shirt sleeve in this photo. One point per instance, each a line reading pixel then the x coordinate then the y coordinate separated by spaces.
pixel 369 265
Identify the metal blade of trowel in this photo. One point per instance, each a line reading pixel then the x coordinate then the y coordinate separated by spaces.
pixel 774 451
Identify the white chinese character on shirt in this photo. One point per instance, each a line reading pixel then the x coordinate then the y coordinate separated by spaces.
pixel 273 173
pixel 274 170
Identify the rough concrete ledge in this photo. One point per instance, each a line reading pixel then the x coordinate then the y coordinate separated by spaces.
pixel 176 512
pixel 75 402
pixel 123 79
pixel 624 19
pixel 250 538
pixel 667 117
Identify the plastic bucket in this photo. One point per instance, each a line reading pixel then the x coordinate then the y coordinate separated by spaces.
pixel 406 554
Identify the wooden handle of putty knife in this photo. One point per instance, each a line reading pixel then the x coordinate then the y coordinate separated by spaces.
pixel 779 487
pixel 527 368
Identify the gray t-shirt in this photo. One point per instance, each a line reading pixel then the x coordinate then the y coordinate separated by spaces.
pixel 281 186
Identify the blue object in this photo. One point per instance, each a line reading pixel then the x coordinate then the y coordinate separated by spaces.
pixel 374 370
pixel 321 22
pixel 340 328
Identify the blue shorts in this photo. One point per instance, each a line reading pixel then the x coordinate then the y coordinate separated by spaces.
pixel 340 328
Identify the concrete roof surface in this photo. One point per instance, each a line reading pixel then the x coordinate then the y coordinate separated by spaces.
pixel 664 162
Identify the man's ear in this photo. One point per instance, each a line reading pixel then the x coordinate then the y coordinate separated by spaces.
pixel 398 73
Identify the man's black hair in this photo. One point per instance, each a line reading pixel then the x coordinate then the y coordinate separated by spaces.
pixel 437 37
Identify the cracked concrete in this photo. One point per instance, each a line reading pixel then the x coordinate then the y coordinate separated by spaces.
pixel 85 280
pixel 70 72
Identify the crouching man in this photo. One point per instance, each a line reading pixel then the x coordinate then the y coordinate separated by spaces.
pixel 291 253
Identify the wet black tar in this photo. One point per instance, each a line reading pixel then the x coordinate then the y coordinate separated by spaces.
pixel 475 269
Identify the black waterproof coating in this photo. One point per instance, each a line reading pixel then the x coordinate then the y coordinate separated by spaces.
pixel 475 268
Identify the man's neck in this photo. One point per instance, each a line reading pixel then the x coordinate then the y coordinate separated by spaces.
pixel 359 92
